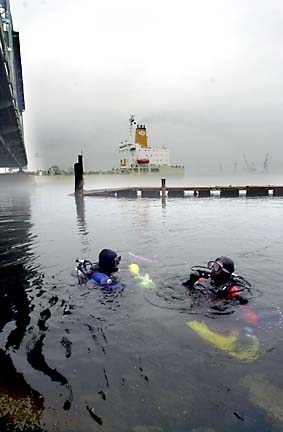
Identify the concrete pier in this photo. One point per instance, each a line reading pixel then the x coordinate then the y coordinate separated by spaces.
pixel 229 192
pixel 176 193
pixel 278 191
pixel 126 193
pixel 150 193
pixel 252 191
pixel 166 192
pixel 202 193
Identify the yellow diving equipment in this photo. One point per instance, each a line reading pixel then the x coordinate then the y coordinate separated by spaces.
pixel 134 269
pixel 144 280
pixel 228 343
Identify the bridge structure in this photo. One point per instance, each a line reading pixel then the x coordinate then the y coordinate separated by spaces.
pixel 12 102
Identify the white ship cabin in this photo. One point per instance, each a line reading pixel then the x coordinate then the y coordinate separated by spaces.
pixel 137 154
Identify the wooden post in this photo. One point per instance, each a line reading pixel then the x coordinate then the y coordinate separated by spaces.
pixel 79 176
pixel 163 191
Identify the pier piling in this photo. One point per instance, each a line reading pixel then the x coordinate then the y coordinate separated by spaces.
pixel 163 189
pixel 79 176
pixel 163 192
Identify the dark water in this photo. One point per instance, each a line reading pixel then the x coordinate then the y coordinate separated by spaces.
pixel 76 359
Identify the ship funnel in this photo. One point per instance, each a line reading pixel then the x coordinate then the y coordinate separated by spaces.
pixel 141 137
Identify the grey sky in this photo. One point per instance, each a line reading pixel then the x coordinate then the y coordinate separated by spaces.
pixel 205 77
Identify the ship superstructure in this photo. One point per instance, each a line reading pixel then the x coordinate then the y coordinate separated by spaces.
pixel 136 156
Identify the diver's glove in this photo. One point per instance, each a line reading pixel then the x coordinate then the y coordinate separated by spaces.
pixel 242 300
pixel 194 277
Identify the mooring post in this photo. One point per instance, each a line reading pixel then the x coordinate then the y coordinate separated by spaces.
pixel 163 190
pixel 79 176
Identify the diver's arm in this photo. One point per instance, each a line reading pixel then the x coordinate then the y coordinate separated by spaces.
pixel 234 294
pixel 194 277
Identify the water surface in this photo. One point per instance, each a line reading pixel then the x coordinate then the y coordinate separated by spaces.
pixel 77 359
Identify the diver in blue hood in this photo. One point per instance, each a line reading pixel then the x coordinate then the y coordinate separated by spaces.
pixel 102 272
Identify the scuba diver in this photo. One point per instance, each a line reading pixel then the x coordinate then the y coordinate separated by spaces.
pixel 102 272
pixel 218 281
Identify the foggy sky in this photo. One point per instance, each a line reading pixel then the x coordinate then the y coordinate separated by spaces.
pixel 205 77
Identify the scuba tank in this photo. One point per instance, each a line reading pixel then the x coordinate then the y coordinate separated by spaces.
pixel 86 270
pixel 101 278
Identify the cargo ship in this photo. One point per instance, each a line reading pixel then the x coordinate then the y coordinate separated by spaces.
pixel 137 157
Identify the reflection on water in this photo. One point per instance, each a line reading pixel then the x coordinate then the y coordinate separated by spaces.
pixel 37 360
pixel 21 405
pixel 81 221
pixel 74 358
pixel 80 207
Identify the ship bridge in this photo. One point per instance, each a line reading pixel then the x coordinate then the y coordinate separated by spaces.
pixel 12 103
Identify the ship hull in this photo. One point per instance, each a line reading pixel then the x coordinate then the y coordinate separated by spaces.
pixel 154 170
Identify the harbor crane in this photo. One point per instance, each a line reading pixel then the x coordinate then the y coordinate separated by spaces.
pixel 265 163
pixel 251 166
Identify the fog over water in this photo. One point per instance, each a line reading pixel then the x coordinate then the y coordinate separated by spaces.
pixel 205 77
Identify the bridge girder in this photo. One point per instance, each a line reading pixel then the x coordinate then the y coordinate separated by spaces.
pixel 12 146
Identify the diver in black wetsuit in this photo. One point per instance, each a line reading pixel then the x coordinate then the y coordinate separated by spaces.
pixel 102 272
pixel 108 262
pixel 218 281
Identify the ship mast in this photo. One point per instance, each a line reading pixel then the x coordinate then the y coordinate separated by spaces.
pixel 131 121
